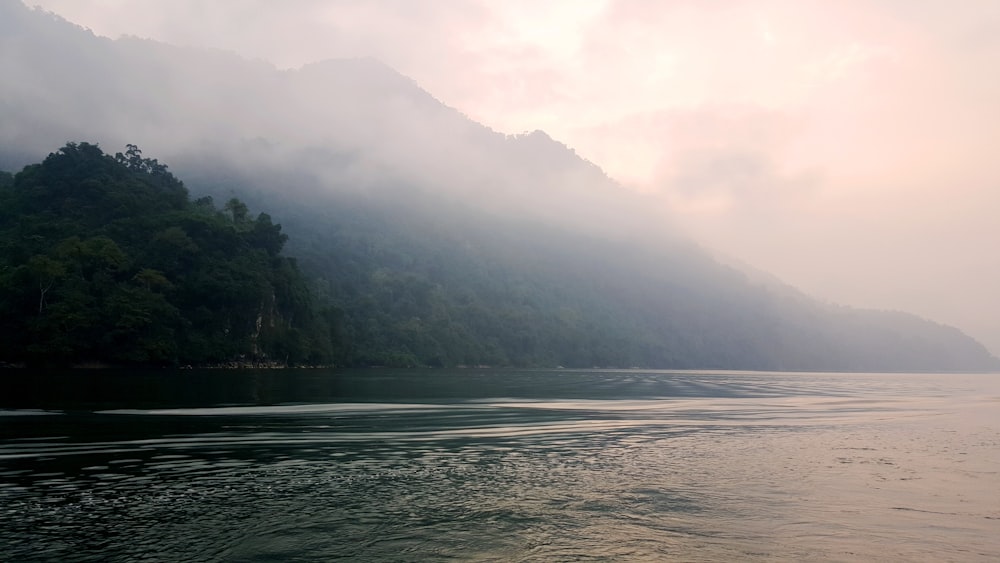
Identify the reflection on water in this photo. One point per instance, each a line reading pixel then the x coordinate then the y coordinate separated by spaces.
pixel 502 465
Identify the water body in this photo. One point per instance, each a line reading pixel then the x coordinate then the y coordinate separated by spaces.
pixel 313 465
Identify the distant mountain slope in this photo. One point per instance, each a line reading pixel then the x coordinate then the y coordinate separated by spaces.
pixel 440 241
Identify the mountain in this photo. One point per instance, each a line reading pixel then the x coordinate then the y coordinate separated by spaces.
pixel 437 240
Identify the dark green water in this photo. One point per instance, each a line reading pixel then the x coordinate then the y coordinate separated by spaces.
pixel 503 465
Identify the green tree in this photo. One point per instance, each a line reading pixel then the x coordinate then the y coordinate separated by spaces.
pixel 107 259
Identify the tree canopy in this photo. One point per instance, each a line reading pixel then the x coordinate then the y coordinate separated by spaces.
pixel 106 259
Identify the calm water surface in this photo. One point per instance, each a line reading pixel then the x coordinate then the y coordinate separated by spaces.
pixel 504 465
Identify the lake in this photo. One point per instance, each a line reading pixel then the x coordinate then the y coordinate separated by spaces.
pixel 506 465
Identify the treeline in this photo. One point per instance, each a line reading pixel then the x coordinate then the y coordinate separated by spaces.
pixel 106 259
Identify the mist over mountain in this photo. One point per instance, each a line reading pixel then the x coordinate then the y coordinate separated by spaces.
pixel 440 241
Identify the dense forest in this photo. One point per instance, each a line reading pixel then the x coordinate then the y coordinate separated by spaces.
pixel 106 259
pixel 422 279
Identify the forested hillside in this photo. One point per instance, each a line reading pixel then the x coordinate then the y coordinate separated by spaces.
pixel 105 259
pixel 423 280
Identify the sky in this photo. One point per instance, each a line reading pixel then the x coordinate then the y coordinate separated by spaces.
pixel 846 147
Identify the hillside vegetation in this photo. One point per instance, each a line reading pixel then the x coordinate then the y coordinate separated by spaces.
pixel 423 280
pixel 106 259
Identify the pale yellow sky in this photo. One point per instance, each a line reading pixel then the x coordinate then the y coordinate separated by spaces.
pixel 846 147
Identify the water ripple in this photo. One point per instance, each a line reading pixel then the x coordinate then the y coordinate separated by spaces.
pixel 711 467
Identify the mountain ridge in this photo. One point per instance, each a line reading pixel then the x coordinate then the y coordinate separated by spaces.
pixel 505 233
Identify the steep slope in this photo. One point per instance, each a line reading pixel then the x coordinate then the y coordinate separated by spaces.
pixel 422 279
pixel 440 241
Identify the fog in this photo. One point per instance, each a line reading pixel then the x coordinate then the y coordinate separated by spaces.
pixel 845 148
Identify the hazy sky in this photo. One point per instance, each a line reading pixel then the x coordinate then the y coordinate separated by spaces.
pixel 850 148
